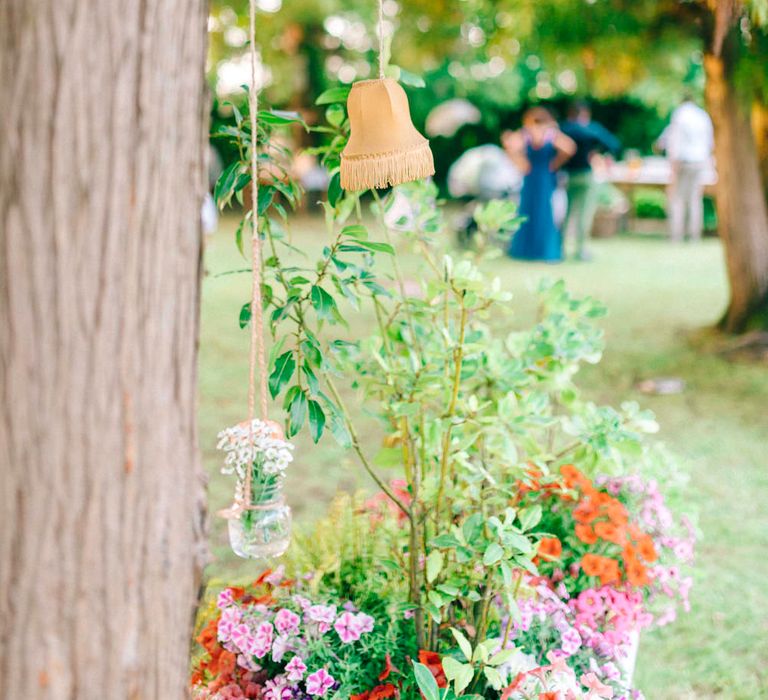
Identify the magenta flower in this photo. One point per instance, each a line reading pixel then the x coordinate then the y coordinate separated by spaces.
pixel 347 628
pixel 319 682
pixel 296 669
pixel 225 599
pixel 287 621
pixel 276 689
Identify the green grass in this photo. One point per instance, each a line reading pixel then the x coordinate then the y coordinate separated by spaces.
pixel 657 294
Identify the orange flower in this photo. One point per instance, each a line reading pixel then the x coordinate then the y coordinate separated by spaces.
pixel 610 533
pixel 610 573
pixel 646 549
pixel 573 478
pixel 586 534
pixel 550 548
pixel 617 512
pixel 594 564
pixel 383 691
pixel 361 696
pixel 550 695
pixel 209 636
pixel 433 662
pixel 636 572
pixel 226 662
pixel 585 512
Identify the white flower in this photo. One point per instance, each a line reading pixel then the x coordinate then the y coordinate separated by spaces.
pixel 244 446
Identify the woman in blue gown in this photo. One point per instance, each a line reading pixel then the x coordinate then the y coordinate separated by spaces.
pixel 538 149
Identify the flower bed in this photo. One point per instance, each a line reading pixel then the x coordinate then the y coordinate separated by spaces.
pixel 518 542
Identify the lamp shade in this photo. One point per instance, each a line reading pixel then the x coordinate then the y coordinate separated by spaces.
pixel 384 147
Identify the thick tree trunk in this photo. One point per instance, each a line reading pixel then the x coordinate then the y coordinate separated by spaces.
pixel 101 177
pixel 741 205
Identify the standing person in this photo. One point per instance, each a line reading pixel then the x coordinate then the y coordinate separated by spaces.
pixel 589 137
pixel 688 141
pixel 538 150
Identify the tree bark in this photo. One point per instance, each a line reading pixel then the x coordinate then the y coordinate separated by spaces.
pixel 741 205
pixel 102 133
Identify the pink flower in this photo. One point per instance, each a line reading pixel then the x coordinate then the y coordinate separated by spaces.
pixel 296 669
pixel 319 682
pixel 364 622
pixel 286 621
pixel 611 671
pixel 241 637
pixel 302 602
pixel 347 628
pixel 280 647
pixel 595 687
pixel 225 599
pixel 261 642
pixel 589 602
pixel 276 576
pixel 323 615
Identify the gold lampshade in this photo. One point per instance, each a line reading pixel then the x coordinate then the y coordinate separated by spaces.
pixel 384 146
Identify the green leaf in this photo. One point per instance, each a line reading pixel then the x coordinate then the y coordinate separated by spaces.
pixel 282 373
pixel 357 231
pixel 460 674
pixel 279 117
pixel 494 677
pixel 377 247
pixel 298 413
pixel 529 517
pixel 322 302
pixel 266 194
pixel 245 315
pixel 316 420
pixel 426 682
pixel 501 657
pixel 225 185
pixel 434 564
pixel 463 642
pixel 411 79
pixel 493 554
pixel 335 94
pixel 334 189
pixel 335 114
pixel 445 541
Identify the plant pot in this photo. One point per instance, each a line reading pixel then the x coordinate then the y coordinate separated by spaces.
pixel 627 663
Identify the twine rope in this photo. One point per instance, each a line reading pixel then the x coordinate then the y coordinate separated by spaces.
pixel 257 355
pixel 381 38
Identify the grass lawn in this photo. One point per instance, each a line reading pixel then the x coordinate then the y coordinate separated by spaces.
pixel 657 294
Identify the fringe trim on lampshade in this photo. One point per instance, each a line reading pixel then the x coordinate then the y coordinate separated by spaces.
pixel 380 170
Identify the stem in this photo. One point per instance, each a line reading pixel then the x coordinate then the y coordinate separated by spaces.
pixel 458 357
pixel 361 455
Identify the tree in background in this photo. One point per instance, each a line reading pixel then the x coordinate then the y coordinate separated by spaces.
pixel 101 184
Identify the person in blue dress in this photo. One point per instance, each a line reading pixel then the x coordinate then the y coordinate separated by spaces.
pixel 538 149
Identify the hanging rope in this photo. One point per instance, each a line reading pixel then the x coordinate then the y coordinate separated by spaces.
pixel 381 38
pixel 257 355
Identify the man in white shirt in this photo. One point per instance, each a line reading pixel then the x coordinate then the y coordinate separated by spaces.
pixel 688 141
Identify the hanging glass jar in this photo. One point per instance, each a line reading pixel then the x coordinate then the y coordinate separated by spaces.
pixel 259 521
pixel 262 530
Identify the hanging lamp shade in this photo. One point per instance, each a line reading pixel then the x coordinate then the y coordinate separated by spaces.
pixel 384 147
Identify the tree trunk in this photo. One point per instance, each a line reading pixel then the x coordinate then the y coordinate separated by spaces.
pixel 102 131
pixel 741 205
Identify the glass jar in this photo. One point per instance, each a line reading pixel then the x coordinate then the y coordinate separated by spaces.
pixel 263 531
